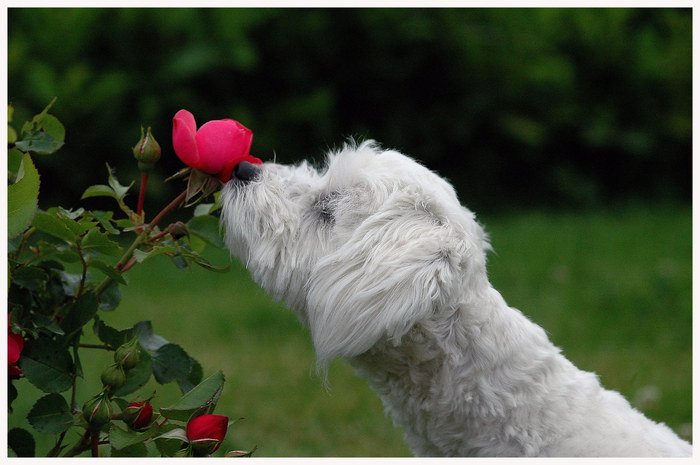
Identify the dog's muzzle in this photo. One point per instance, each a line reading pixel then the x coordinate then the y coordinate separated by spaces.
pixel 246 171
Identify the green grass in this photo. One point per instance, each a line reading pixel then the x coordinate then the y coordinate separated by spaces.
pixel 613 289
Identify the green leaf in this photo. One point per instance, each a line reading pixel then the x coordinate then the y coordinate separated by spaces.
pixel 22 198
pixel 98 241
pixel 170 363
pixel 50 414
pixel 109 335
pixel 80 313
pixel 207 228
pixel 147 338
pixel 42 134
pixel 171 441
pixel 193 378
pixel 14 163
pixel 200 400
pixel 30 277
pixel 40 142
pixel 105 219
pixel 120 439
pixel 107 269
pixel 135 450
pixel 110 297
pixel 142 256
pixel 47 365
pixel 137 376
pixel 51 224
pixel 99 190
pixel 119 190
pixel 21 442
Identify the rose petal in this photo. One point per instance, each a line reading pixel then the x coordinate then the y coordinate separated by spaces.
pixel 207 427
pixel 15 344
pixel 184 143
pixel 222 143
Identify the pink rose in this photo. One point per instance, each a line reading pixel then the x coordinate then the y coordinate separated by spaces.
pixel 216 148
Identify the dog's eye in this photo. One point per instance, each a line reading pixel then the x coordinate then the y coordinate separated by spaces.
pixel 325 206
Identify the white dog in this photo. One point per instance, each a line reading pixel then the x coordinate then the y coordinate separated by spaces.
pixel 387 269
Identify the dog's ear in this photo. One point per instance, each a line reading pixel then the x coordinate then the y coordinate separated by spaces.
pixel 397 269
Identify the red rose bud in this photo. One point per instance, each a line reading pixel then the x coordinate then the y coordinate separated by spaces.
pixel 97 412
pixel 138 415
pixel 113 376
pixel 206 432
pixel 216 148
pixel 128 355
pixel 15 344
pixel 147 151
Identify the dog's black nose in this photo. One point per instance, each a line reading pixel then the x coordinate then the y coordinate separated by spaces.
pixel 246 171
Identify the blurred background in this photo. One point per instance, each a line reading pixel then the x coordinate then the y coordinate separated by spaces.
pixel 568 131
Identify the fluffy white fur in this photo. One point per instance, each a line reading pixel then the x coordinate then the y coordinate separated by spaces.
pixel 385 266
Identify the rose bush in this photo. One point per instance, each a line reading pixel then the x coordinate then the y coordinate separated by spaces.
pixel 216 148
pixel 67 267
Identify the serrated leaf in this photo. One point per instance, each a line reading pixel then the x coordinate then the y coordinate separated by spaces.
pixel 100 242
pixel 21 442
pixel 207 228
pixel 23 198
pixel 51 224
pixel 170 363
pixel 147 338
pixel 40 142
pixel 50 414
pixel 47 365
pixel 193 378
pixel 109 335
pixel 44 133
pixel 200 400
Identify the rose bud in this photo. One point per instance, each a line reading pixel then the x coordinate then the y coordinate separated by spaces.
pixel 206 432
pixel 97 411
pixel 216 148
pixel 128 355
pixel 147 151
pixel 15 344
pixel 113 376
pixel 138 414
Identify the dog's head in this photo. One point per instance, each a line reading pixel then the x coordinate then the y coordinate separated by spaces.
pixel 363 249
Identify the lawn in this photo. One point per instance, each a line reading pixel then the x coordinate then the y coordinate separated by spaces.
pixel 612 288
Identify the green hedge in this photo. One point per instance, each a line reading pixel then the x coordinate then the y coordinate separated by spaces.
pixel 566 107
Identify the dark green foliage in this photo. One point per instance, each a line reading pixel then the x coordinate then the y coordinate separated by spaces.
pixel 564 107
